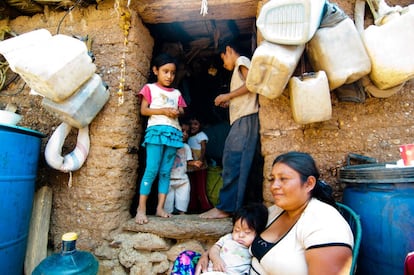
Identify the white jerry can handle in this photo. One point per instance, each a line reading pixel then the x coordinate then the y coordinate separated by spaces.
pixel 75 159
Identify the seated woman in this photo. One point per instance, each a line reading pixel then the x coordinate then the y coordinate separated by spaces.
pixel 305 233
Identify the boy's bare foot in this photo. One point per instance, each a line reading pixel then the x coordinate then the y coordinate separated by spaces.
pixel 214 213
pixel 162 214
pixel 141 218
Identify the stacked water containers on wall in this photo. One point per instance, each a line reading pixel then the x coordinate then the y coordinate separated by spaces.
pixel 289 27
pixel 286 27
pixel 59 69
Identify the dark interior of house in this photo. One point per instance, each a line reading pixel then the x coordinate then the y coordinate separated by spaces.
pixel 201 77
pixel 200 74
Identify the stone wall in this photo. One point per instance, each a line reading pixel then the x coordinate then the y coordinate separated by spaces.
pixel 152 248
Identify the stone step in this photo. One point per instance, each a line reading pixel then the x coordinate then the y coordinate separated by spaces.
pixel 182 227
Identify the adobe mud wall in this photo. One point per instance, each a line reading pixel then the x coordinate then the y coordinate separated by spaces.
pixel 102 190
pixel 97 205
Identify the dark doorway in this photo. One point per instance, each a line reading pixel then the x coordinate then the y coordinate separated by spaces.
pixel 200 78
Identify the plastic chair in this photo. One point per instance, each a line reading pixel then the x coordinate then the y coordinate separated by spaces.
pixel 355 223
pixel 409 264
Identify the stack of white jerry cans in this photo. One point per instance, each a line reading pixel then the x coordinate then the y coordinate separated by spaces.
pixel 58 68
pixel 289 27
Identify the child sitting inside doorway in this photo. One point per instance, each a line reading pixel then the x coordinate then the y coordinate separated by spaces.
pixel 178 195
pixel 198 177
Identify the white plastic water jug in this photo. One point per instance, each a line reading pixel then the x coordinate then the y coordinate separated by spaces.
pixel 81 108
pixel 271 67
pixel 11 48
pixel 389 47
pixel 57 67
pixel 290 22
pixel 310 98
pixel 340 52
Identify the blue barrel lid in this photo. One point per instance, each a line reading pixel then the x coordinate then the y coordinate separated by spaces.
pixel 21 130
pixel 376 173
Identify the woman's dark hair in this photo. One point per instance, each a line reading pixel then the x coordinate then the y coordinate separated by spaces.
pixel 254 214
pixel 305 165
pixel 163 59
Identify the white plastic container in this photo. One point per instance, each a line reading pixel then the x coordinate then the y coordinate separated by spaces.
pixel 57 67
pixel 290 22
pixel 390 48
pixel 11 48
pixel 271 67
pixel 340 52
pixel 81 108
pixel 9 118
pixel 310 98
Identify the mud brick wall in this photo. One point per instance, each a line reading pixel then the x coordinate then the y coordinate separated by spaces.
pixel 102 190
pixel 97 205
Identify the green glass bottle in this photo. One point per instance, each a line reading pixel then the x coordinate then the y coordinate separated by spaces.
pixel 69 261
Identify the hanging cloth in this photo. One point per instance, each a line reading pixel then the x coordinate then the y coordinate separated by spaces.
pixel 204 8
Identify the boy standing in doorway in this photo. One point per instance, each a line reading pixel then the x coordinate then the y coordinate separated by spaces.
pixel 240 144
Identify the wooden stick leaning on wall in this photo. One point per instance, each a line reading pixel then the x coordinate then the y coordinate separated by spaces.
pixel 39 228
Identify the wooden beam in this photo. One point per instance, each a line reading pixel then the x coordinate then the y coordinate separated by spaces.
pixel 167 11
pixel 39 228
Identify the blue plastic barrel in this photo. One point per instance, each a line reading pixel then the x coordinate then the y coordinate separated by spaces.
pixel 384 199
pixel 19 155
